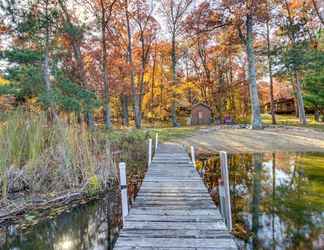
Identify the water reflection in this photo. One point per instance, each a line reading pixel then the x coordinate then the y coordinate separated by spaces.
pixel 277 199
pixel 85 227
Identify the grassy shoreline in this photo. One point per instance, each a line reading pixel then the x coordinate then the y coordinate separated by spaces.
pixel 57 165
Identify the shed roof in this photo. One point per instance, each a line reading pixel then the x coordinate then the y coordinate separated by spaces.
pixel 201 104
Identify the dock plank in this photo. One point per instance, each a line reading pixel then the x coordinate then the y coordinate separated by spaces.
pixel 173 209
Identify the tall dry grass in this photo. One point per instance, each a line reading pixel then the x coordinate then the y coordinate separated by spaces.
pixel 41 156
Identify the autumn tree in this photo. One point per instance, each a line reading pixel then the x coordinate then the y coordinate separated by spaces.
pixel 147 28
pixel 103 10
pixel 174 12
pixel 244 15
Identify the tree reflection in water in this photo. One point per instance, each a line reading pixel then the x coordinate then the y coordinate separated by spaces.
pixel 277 198
pixel 84 227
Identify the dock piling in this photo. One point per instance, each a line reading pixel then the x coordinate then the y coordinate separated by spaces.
pixel 156 141
pixel 149 152
pixel 123 188
pixel 193 158
pixel 225 199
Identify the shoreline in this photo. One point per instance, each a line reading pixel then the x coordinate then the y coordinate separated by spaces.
pixel 28 213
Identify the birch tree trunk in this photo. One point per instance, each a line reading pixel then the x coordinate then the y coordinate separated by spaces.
pixel 143 64
pixel 174 82
pixel 153 82
pixel 273 116
pixel 256 121
pixel 106 102
pixel 135 95
pixel 300 100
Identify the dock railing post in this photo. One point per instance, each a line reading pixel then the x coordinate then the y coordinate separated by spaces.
pixel 224 191
pixel 156 141
pixel 150 152
pixel 193 158
pixel 123 188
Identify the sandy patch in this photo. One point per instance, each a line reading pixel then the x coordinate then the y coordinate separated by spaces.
pixel 267 140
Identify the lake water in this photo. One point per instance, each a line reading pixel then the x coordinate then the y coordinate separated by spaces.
pixel 94 225
pixel 277 203
pixel 277 199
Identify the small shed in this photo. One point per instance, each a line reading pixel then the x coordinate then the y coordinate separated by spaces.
pixel 200 114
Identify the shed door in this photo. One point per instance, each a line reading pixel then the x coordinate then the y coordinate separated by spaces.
pixel 200 116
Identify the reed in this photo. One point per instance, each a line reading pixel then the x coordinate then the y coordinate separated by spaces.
pixel 42 156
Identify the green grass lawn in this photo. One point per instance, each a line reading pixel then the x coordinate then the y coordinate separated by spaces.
pixel 165 134
pixel 292 120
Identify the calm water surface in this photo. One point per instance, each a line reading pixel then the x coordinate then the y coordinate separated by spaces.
pixel 277 199
pixel 277 203
pixel 91 226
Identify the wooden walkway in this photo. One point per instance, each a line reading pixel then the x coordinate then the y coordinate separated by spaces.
pixel 173 209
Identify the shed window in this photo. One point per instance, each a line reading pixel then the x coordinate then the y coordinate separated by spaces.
pixel 200 115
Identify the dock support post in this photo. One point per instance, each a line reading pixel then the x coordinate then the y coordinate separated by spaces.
pixel 221 197
pixel 193 158
pixel 150 152
pixel 156 141
pixel 225 199
pixel 123 188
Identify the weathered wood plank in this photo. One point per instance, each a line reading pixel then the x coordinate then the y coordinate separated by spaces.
pixel 166 211
pixel 176 233
pixel 173 218
pixel 170 242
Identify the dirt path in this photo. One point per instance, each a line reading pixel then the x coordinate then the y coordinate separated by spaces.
pixel 266 140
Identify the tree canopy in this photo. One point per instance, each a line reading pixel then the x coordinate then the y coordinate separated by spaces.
pixel 152 60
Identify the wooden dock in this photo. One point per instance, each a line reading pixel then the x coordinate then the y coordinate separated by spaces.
pixel 173 209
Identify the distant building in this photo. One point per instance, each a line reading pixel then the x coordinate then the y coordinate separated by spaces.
pixel 200 114
pixel 281 106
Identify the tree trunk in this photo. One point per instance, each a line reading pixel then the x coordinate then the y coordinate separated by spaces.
pixel 273 116
pixel 174 83
pixel 46 70
pixel 300 100
pixel 124 105
pixel 143 63
pixel 318 11
pixel 106 102
pixel 273 199
pixel 46 55
pixel 255 206
pixel 135 95
pixel 317 115
pixel 153 82
pixel 256 121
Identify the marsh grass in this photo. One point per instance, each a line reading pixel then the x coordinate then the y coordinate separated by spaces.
pixel 49 157
pixel 41 156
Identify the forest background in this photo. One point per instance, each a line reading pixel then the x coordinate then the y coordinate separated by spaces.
pixel 69 68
